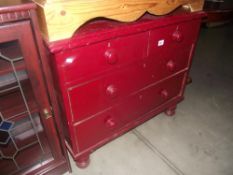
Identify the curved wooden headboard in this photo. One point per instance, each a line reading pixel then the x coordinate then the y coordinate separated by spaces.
pixel 59 19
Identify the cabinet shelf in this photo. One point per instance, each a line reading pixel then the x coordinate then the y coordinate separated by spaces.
pixel 9 83
pixel 11 51
pixel 12 106
pixel 5 67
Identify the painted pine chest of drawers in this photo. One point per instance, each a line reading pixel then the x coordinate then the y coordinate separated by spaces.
pixel 113 76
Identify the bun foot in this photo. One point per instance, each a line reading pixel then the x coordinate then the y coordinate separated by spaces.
pixel 170 111
pixel 83 162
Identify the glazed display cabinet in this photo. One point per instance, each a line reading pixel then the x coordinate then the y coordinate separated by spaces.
pixel 29 142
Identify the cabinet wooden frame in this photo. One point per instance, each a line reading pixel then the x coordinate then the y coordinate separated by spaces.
pixel 19 23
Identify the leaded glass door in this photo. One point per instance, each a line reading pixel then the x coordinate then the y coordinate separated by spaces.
pixel 27 132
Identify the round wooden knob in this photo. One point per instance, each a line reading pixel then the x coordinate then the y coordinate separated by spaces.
pixel 110 122
pixel 177 36
pixel 111 56
pixel 164 94
pixel 111 91
pixel 171 65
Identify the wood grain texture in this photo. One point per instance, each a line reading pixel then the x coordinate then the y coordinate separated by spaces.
pixel 63 18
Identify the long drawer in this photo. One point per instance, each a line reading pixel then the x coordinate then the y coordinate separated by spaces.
pixel 88 98
pixel 103 125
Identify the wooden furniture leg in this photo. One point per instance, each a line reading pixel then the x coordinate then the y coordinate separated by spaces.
pixel 83 162
pixel 171 111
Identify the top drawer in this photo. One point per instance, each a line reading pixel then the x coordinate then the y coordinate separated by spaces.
pixel 172 37
pixel 100 57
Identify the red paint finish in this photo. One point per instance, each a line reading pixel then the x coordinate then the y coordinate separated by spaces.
pixel 101 57
pixel 174 54
pixel 107 90
pixel 113 76
pixel 106 123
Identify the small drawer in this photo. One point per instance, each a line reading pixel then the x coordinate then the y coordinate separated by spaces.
pixel 96 129
pixel 88 98
pixel 100 57
pixel 174 36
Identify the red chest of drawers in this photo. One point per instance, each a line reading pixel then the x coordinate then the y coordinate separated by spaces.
pixel 114 76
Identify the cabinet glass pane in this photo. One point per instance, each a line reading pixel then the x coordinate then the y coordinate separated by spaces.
pixel 23 143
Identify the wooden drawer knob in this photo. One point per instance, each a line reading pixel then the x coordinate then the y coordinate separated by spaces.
pixel 112 91
pixel 171 65
pixel 111 56
pixel 164 94
pixel 110 122
pixel 177 36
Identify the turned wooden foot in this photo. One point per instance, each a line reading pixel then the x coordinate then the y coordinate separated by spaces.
pixel 170 111
pixel 83 162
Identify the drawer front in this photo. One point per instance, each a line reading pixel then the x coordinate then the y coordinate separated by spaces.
pixel 100 57
pixel 173 36
pixel 170 48
pixel 163 65
pixel 91 97
pixel 97 129
pixel 104 125
pixel 150 98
